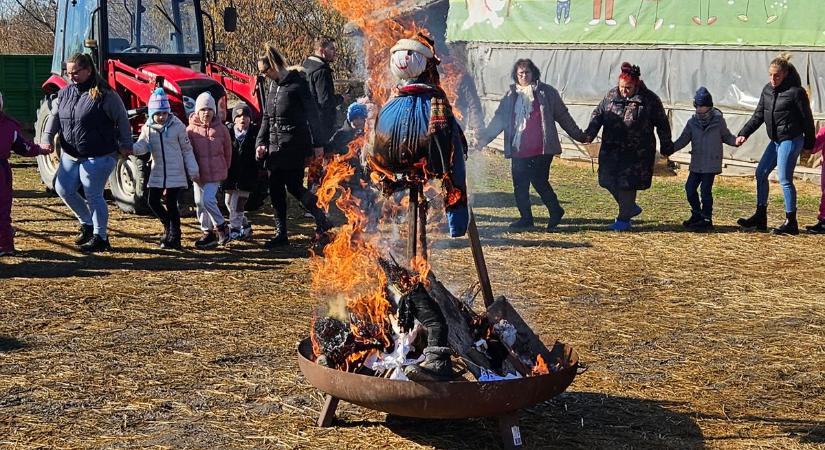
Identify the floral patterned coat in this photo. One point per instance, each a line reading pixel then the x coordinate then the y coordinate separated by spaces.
pixel 628 150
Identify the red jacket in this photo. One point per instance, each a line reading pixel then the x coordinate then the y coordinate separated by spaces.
pixel 213 148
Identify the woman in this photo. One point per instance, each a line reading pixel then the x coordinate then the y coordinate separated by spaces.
pixel 93 124
pixel 786 112
pixel 629 113
pixel 527 114
pixel 289 134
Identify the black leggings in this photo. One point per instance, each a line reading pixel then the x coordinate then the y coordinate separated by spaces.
pixel 281 181
pixel 169 215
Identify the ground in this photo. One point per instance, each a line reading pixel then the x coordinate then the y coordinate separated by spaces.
pixel 691 341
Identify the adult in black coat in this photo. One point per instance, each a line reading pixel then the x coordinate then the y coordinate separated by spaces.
pixel 290 132
pixel 321 86
pixel 785 110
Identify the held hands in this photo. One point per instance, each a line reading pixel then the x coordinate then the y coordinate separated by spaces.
pixel 196 178
pixel 260 152
pixel 740 140
pixel 46 149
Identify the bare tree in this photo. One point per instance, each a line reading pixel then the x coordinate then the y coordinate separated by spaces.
pixel 27 26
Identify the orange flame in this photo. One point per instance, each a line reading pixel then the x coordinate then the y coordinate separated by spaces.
pixel 540 368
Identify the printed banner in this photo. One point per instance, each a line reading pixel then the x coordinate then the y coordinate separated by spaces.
pixel 685 22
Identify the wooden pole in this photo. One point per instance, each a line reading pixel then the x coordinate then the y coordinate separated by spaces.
pixel 412 221
pixel 478 259
pixel 422 222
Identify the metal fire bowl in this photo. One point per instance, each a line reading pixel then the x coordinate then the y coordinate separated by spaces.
pixel 438 400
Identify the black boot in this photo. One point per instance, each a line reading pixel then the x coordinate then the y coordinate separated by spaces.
pixel 322 223
pixel 694 219
pixel 437 366
pixel 85 235
pixel 280 237
pixel 164 238
pixel 819 228
pixel 172 239
pixel 96 244
pixel 555 217
pixel 758 221
pixel 789 227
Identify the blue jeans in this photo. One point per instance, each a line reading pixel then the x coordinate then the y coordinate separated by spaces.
pixel 91 173
pixel 704 183
pixel 782 156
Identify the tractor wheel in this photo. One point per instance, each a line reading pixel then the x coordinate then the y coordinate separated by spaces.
pixel 127 184
pixel 46 164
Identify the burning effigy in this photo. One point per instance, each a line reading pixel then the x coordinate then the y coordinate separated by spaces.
pixel 383 316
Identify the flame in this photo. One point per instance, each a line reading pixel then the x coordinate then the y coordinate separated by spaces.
pixel 422 267
pixel 540 368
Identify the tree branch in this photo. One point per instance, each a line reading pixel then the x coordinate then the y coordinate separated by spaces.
pixel 34 16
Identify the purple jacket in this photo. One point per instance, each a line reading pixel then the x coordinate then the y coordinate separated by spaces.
pixel 12 140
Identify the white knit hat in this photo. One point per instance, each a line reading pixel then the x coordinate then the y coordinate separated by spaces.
pixel 413 45
pixel 204 101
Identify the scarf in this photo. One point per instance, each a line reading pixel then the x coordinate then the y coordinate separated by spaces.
pixel 440 110
pixel 523 109
pixel 704 119
pixel 240 135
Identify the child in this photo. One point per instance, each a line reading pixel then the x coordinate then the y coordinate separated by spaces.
pixel 10 140
pixel 705 131
pixel 165 136
pixel 213 151
pixel 819 146
pixel 243 173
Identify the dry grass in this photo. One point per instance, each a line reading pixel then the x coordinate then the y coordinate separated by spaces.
pixel 693 341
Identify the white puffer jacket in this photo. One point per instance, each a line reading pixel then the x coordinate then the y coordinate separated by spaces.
pixel 172 156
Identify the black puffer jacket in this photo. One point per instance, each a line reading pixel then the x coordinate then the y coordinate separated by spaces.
pixel 785 111
pixel 319 76
pixel 243 172
pixel 290 127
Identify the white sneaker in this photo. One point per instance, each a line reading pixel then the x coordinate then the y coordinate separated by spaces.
pixel 567 20
pixel 556 20
pixel 594 22
pixel 610 22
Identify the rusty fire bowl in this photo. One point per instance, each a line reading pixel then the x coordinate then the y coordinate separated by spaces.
pixel 439 400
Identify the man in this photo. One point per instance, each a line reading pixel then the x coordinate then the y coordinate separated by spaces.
pixel 319 75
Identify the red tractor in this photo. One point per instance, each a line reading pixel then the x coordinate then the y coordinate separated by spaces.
pixel 139 45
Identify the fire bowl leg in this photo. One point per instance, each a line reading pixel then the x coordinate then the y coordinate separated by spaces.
pixel 328 411
pixel 510 431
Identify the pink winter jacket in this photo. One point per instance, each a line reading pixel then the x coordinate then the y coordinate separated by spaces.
pixel 213 148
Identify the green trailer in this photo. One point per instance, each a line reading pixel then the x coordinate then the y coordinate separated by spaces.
pixel 20 80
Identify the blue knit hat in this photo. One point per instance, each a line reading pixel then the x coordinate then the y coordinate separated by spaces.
pixel 158 102
pixel 702 98
pixel 356 110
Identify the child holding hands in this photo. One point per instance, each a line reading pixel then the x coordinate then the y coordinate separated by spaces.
pixel 165 137
pixel 706 131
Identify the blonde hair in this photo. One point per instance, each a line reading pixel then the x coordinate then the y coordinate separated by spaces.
pixel 99 86
pixel 272 58
pixel 783 61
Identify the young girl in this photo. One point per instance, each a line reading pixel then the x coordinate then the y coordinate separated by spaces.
pixel 819 146
pixel 243 173
pixel 10 140
pixel 165 136
pixel 213 151
pixel 705 131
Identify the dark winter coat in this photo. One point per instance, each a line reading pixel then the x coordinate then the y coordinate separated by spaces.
pixel 785 111
pixel 243 173
pixel 553 110
pixel 322 88
pixel 628 148
pixel 290 127
pixel 88 127
pixel 468 103
pixel 705 142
